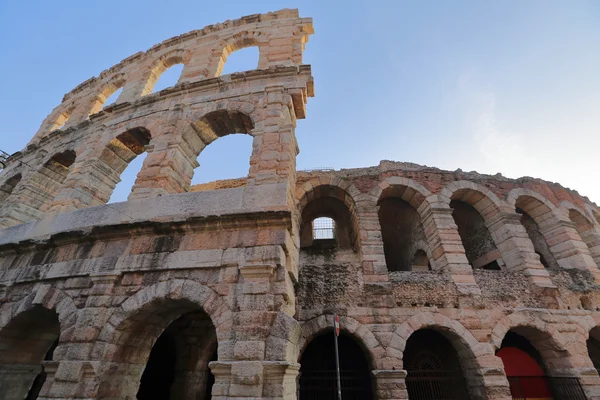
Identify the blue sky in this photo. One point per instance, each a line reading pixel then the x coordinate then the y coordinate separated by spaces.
pixel 492 86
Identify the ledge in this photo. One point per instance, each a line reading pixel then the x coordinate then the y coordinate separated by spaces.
pixel 170 208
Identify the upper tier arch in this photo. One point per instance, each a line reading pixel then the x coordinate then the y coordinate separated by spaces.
pixel 202 52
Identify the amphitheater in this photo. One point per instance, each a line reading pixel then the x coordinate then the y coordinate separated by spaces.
pixel 448 284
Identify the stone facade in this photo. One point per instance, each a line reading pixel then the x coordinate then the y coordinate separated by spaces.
pixel 230 278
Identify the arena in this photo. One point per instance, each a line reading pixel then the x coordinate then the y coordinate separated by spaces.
pixel 448 284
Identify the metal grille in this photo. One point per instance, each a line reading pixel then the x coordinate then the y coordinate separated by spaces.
pixel 323 228
pixel 436 385
pixel 321 385
pixel 563 388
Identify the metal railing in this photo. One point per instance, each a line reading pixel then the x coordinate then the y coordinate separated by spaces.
pixel 560 388
pixel 321 385
pixel 436 385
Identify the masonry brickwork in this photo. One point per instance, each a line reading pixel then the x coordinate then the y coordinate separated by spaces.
pixel 231 270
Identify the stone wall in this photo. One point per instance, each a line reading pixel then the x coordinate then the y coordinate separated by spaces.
pixel 230 275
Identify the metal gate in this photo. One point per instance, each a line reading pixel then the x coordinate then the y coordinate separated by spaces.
pixel 321 385
pixel 436 385
pixel 562 388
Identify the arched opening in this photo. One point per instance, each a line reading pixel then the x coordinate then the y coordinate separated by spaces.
pixel 110 100
pixel 8 187
pixel 224 124
pixel 537 219
pixel 401 231
pixel 433 368
pixel 537 239
pixel 593 347
pixel 165 73
pixel 168 78
pixel 318 371
pixel 224 159
pixel 479 246
pixel 245 59
pixel 122 162
pixel 327 221
pixel 62 119
pixel 164 355
pixel 108 95
pixel 29 339
pixel 526 369
pixel 48 180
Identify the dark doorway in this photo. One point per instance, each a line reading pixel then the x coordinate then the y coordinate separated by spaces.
pixel 158 376
pixel 526 372
pixel 433 368
pixel 177 367
pixel 318 373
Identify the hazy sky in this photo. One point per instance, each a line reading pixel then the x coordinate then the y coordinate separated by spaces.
pixel 492 86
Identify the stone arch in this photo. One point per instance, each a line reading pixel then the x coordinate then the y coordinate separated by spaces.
pixel 470 351
pixel 478 196
pixel 61 117
pixel 160 65
pixel 593 212
pixel 177 289
pixel 326 196
pixel 239 41
pixel 406 189
pixel 42 186
pixel 398 202
pixel 126 340
pixel 465 343
pixel 284 339
pixel 543 203
pixel 369 343
pixel 477 213
pixel 104 166
pixel 8 186
pixel 520 320
pixel 186 133
pixel 107 88
pixel 541 221
pixel 585 227
pixel 544 337
pixel 48 297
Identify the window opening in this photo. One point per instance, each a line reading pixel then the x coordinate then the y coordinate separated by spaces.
pixel 112 98
pixel 128 177
pixel 8 187
pixel 477 241
pixel 237 147
pixel 323 228
pixel 169 78
pixel 245 59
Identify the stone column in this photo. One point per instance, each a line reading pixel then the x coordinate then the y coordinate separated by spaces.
pixel 568 248
pixel 50 368
pixel 591 238
pixel 375 273
pixel 516 248
pixel 70 380
pixel 168 168
pixel 275 380
pixel 390 384
pixel 446 246
pixel 171 159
